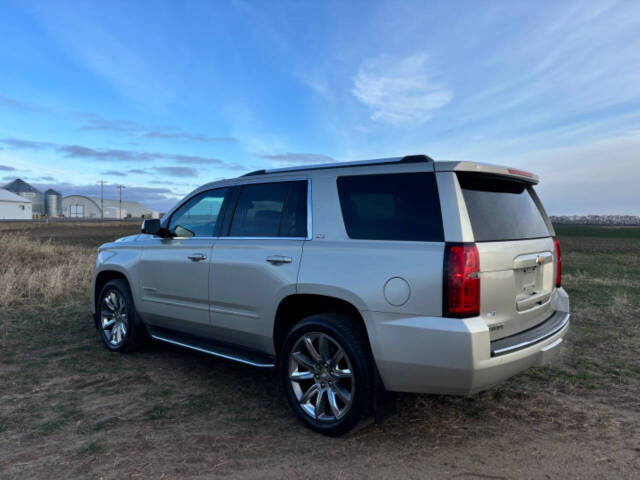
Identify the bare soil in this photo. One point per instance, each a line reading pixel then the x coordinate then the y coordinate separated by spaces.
pixel 69 408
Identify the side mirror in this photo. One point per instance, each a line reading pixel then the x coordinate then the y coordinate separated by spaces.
pixel 151 226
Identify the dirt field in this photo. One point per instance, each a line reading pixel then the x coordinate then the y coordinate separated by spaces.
pixel 71 409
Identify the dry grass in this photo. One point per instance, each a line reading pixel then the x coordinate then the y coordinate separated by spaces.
pixel 70 408
pixel 66 224
pixel 585 278
pixel 620 304
pixel 35 272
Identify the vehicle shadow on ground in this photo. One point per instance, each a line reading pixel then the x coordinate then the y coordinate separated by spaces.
pixel 252 395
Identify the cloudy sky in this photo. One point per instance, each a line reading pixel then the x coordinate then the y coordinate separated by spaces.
pixel 162 97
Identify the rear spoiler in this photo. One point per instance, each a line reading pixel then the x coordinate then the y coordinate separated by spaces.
pixel 476 167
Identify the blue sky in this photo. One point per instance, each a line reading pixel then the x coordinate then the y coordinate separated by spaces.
pixel 162 97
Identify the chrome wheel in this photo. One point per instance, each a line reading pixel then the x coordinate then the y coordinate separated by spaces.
pixel 321 377
pixel 114 320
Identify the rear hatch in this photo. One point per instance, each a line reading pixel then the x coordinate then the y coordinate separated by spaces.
pixel 515 243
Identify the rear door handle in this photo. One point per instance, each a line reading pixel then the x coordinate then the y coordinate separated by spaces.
pixel 278 259
pixel 197 257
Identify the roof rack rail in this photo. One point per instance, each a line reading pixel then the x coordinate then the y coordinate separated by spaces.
pixel 378 161
pixel 416 159
pixel 255 172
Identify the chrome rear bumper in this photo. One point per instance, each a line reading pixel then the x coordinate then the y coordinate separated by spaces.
pixel 549 327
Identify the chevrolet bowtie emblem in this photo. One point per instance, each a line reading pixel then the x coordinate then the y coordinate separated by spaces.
pixel 540 260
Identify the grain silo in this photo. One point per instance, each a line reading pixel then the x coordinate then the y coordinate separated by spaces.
pixel 52 203
pixel 22 188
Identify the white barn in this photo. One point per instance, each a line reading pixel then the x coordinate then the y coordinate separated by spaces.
pixel 14 207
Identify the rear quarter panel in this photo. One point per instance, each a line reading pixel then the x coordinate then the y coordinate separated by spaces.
pixel 358 270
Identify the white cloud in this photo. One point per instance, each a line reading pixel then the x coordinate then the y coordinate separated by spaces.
pixel 400 90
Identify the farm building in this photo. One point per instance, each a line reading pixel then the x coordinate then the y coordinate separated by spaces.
pixel 14 207
pixel 22 188
pixel 80 206
pixel 52 203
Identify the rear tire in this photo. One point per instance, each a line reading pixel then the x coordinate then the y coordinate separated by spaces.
pixel 116 317
pixel 326 370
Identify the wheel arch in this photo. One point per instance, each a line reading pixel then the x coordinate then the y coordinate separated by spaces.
pixel 294 308
pixel 102 278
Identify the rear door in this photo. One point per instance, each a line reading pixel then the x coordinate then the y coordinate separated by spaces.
pixel 256 261
pixel 514 240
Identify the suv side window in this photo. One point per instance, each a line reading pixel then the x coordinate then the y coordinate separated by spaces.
pixel 276 209
pixel 199 215
pixel 294 215
pixel 398 206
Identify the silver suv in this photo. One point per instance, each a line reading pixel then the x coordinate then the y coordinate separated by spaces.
pixel 352 279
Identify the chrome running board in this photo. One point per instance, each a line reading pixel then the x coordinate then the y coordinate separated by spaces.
pixel 255 359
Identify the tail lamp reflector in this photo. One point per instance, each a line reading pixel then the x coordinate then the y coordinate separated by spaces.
pixel 558 255
pixel 461 281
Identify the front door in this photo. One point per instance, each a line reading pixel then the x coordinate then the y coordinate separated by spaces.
pixel 175 271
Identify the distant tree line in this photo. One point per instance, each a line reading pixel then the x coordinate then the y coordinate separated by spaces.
pixel 621 220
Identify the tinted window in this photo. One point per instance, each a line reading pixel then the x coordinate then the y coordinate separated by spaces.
pixel 294 217
pixel 199 215
pixel 501 209
pixel 403 206
pixel 270 210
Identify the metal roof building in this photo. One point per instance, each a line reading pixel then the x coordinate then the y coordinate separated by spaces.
pixel 80 206
pixel 22 188
pixel 14 207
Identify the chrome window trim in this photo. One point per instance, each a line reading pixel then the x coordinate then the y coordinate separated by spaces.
pixel 236 238
pixel 185 238
pixel 261 238
pixel 309 212
pixel 166 220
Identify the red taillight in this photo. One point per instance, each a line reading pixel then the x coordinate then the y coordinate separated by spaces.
pixel 556 244
pixel 461 281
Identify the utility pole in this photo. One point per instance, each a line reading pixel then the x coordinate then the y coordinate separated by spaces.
pixel 101 200
pixel 120 187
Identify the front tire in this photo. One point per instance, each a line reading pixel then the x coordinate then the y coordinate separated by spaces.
pixel 116 317
pixel 325 368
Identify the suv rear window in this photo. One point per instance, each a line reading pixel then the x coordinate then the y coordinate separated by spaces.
pixel 399 206
pixel 501 208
